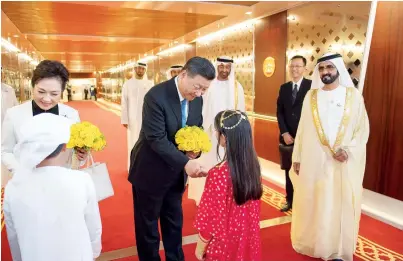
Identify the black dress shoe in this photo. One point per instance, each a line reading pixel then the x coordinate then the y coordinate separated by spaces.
pixel 286 207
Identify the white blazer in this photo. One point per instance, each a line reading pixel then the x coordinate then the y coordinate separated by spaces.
pixel 14 118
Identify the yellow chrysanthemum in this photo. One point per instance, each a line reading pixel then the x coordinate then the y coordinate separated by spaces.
pixel 193 139
pixel 86 135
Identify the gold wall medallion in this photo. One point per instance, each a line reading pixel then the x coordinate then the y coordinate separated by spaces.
pixel 269 66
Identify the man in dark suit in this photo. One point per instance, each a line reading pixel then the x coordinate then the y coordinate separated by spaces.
pixel 289 106
pixel 158 170
pixel 86 93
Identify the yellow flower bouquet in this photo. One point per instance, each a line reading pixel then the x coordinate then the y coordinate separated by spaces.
pixel 86 136
pixel 193 139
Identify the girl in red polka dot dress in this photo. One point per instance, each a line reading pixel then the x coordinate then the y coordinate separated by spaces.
pixel 228 214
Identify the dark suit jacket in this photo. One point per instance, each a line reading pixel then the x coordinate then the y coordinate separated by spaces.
pixel 155 162
pixel 289 114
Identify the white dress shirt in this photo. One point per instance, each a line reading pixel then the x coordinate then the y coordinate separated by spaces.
pixel 297 83
pixel 181 97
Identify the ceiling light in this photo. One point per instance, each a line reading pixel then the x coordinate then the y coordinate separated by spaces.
pixel 25 56
pixel 221 33
pixel 9 46
pixel 34 63
pixel 248 13
pixel 180 47
pixel 148 59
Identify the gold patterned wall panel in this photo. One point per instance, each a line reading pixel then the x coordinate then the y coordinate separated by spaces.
pixel 17 73
pixel 236 42
pixel 164 62
pixel 319 27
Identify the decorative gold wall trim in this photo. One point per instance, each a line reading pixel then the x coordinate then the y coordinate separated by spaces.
pixel 261 116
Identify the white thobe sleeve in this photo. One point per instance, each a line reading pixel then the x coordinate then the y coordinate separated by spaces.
pixel 241 98
pixel 305 115
pixel 93 219
pixel 361 131
pixel 124 118
pixel 11 232
pixel 8 142
pixel 206 110
pixel 152 83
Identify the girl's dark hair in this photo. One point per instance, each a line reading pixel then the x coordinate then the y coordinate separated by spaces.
pixel 50 69
pixel 240 154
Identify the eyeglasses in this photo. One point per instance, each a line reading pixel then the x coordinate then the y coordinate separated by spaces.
pixel 190 80
pixel 327 67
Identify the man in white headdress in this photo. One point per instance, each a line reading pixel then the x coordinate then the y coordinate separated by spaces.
pixel 174 71
pixel 329 162
pixel 51 212
pixel 133 92
pixel 225 93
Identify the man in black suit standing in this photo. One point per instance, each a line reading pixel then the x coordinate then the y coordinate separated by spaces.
pixel 289 106
pixel 158 170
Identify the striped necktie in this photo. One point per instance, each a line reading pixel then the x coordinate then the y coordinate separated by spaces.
pixel 294 93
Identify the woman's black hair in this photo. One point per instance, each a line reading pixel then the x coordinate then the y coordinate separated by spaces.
pixel 50 69
pixel 240 154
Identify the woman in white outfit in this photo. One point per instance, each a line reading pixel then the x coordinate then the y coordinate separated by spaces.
pixel 48 81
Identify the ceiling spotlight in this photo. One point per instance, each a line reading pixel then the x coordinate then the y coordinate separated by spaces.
pixel 248 13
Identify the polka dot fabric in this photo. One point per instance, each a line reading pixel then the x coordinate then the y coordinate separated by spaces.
pixel 234 230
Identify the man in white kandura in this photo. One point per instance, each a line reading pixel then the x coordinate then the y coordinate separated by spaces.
pixel 225 93
pixel 329 163
pixel 174 71
pixel 133 93
pixel 51 212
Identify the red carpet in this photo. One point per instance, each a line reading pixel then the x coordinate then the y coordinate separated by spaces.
pixel 117 212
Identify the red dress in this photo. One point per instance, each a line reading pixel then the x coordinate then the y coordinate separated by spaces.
pixel 234 230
